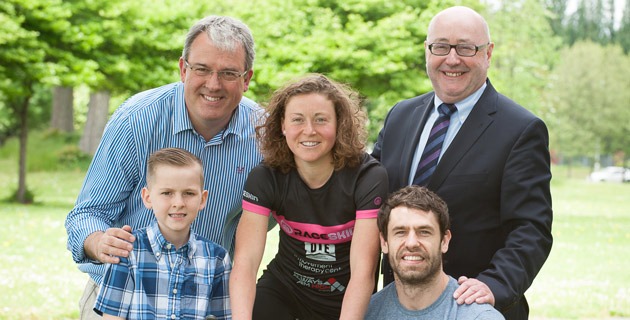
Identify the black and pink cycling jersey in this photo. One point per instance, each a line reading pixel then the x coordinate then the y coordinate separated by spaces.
pixel 316 225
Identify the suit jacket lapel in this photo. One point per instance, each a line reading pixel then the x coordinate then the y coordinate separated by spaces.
pixel 478 120
pixel 416 122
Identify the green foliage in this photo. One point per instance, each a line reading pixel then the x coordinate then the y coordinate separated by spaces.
pixel 25 55
pixel 376 46
pixel 623 34
pixel 49 151
pixel 123 49
pixel 38 113
pixel 523 56
pixel 588 100
pixel 592 20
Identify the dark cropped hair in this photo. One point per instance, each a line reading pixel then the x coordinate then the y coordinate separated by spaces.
pixel 414 197
pixel 351 133
pixel 174 157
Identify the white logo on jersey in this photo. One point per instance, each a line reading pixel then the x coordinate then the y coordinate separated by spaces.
pixel 320 251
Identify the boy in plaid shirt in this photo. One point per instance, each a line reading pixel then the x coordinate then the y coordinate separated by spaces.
pixel 171 272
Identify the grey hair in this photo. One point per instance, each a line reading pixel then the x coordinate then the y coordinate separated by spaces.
pixel 225 33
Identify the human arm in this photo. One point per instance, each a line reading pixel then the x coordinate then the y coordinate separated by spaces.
pixel 117 289
pixel 364 251
pixel 526 217
pixel 251 236
pixel 109 182
pixel 220 300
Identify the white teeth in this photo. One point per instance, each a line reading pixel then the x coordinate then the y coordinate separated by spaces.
pixel 212 99
pixel 453 74
pixel 310 143
pixel 412 258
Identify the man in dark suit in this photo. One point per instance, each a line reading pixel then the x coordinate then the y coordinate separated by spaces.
pixel 493 169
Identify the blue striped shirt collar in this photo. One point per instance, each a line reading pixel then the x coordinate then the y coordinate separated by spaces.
pixel 159 244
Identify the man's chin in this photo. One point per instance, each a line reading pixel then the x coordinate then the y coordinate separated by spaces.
pixel 416 277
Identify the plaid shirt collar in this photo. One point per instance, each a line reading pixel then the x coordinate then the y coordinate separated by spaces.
pixel 160 246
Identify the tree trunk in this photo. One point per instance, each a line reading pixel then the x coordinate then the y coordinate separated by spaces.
pixel 62 110
pixel 23 120
pixel 98 110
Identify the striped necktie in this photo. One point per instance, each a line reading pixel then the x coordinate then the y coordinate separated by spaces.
pixel 432 150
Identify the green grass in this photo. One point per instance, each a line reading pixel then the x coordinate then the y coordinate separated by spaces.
pixel 587 275
pixel 37 276
pixel 48 151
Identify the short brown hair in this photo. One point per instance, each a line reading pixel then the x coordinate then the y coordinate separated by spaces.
pixel 414 197
pixel 175 157
pixel 351 133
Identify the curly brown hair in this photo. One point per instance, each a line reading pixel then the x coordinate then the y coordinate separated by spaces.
pixel 351 134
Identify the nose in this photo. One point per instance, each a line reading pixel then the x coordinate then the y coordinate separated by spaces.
pixel 212 81
pixel 452 57
pixel 178 201
pixel 309 128
pixel 412 240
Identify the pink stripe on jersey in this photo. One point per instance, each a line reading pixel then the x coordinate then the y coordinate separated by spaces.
pixel 315 233
pixel 256 208
pixel 367 214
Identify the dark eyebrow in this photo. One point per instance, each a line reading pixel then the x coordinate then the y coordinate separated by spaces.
pixel 421 227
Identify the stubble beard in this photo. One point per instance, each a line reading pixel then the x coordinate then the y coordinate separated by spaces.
pixel 418 277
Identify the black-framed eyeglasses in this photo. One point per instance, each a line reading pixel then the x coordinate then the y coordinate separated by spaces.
pixel 223 75
pixel 462 49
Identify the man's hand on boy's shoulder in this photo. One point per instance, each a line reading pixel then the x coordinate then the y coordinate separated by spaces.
pixel 108 246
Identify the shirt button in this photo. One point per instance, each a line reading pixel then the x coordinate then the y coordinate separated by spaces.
pixel 174 291
pixel 173 316
pixel 157 254
pixel 168 246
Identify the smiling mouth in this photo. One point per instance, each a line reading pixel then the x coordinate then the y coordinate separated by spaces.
pixel 453 74
pixel 211 99
pixel 309 143
pixel 177 215
pixel 413 258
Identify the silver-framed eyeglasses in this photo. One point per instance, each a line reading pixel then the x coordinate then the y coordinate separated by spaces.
pixel 462 49
pixel 226 75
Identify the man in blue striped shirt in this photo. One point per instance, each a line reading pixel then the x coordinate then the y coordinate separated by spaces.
pixel 205 114
pixel 171 272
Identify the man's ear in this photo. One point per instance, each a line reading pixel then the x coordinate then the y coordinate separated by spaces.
pixel 384 247
pixel 182 69
pixel 446 240
pixel 247 79
pixel 146 198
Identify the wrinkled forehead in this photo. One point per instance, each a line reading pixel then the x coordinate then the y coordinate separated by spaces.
pixel 404 217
